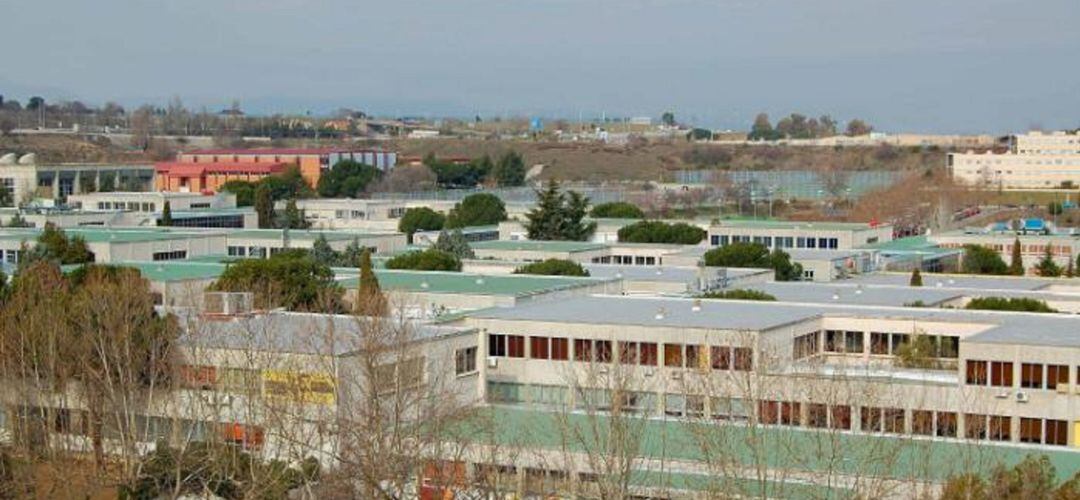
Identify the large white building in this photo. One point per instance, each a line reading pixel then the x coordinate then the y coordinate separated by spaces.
pixel 1035 160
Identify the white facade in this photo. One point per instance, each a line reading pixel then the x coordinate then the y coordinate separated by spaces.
pixel 1034 161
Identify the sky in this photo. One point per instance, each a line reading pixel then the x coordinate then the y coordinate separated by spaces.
pixel 954 66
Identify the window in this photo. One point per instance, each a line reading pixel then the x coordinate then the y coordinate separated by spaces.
pixel 817 416
pixel 834 341
pixel 1000 428
pixel 628 353
pixel 198 377
pixel 1057 432
pixel 515 346
pixel 949 347
pixel 603 351
pixel 893 418
pixel 673 355
pixel 1031 376
pixel 649 353
pixel 744 359
pixel 173 255
pixel 790 413
pixel 1001 374
pixel 768 412
pixel 540 347
pixel 695 406
pixel 503 392
pixel 235 251
pixel 465 361
pixel 560 348
pixel 840 417
pixel 974 426
pixel 854 342
pixel 724 408
pixel 583 350
pixel 871 419
pixel 879 343
pixel 976 372
pixel 1030 430
pixel 693 356
pixel 898 339
pixel 674 405
pixel 496 345
pixel 721 357
pixel 945 424
pixel 922 422
pixel 1056 374
pixel 805 345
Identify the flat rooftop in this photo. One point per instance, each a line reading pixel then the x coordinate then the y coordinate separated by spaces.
pixel 1046 329
pixel 538 246
pixel 932 280
pixel 807 225
pixel 664 273
pixel 303 234
pixel 107 235
pixel 829 293
pixel 513 285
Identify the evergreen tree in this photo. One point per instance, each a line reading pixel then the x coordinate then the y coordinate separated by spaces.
pixel 1047 266
pixel 369 298
pixel 455 243
pixel 166 215
pixel 510 170
pixel 1070 270
pixel 916 278
pixel 264 206
pixel 322 253
pixel 1016 263
pixel 352 254
pixel 559 215
pixel 293 218
pixel 18 221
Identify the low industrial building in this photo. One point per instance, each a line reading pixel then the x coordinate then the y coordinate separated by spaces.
pixel 799 235
pixel 312 162
pixel 130 244
pixel 262 243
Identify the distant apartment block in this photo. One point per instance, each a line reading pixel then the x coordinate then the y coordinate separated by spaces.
pixel 25 178
pixel 207 170
pixel 1035 160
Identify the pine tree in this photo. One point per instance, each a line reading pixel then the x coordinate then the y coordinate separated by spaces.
pixel 916 278
pixel 322 253
pixel 1016 264
pixel 455 243
pixel 1047 266
pixel 369 298
pixel 166 215
pixel 352 254
pixel 559 215
pixel 293 218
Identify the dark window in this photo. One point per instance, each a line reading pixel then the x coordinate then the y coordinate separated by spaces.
pixel 628 353
pixel 583 350
pixel 673 355
pixel 560 349
pixel 1031 376
pixel 648 352
pixel 496 345
pixel 1030 430
pixel 1000 428
pixel 946 424
pixel 922 422
pixel 893 418
pixel 976 372
pixel 817 415
pixel 1057 432
pixel 1056 374
pixel 465 361
pixel 693 356
pixel 540 347
pixel 841 417
pixel 879 343
pixel 515 346
pixel 1001 374
pixel 744 359
pixel 603 351
pixel 871 419
pixel 721 358
pixel 974 426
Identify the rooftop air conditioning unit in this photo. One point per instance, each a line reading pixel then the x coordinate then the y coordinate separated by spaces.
pixel 493 362
pixel 1021 397
pixel 1063 388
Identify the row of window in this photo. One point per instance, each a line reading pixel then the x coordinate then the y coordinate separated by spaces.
pixel 1000 374
pixel 629 353
pixel 170 255
pixel 295 386
pixel 629 260
pixel 777 242
pixel 881 344
pixel 130 206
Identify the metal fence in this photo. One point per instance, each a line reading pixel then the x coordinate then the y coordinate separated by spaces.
pixel 800 184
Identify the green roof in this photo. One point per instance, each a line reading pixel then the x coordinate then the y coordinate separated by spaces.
pixel 470 284
pixel 105 235
pixel 781 448
pixel 538 246
pixel 911 244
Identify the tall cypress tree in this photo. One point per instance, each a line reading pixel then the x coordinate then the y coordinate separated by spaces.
pixel 166 215
pixel 1016 264
pixel 369 298
pixel 264 206
pixel 916 278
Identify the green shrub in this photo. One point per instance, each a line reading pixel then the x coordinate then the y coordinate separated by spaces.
pixel 425 260
pixel 743 254
pixel 617 210
pixel 651 231
pixel 553 267
pixel 1022 304
pixel 738 294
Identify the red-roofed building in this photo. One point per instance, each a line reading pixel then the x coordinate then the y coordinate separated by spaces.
pixel 311 161
pixel 208 177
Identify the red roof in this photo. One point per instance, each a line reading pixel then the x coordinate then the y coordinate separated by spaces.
pixel 173 168
pixel 279 151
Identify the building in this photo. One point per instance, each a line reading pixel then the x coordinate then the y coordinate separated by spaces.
pixel 1063 247
pixel 27 179
pixel 264 243
pixel 1035 160
pixel 208 178
pixel 312 162
pixel 130 244
pixel 799 235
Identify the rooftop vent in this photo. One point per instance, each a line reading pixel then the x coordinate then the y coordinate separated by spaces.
pixel 835 296
pixel 660 313
pixel 697 305
pixel 479 281
pixel 228 303
pixel 424 285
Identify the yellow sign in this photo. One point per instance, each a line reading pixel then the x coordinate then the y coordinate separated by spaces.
pixel 315 388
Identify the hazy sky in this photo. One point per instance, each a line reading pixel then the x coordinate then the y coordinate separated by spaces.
pixel 905 65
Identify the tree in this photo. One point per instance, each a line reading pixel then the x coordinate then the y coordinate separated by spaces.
pixel 293 217
pixel 370 300
pixel 617 210
pixel 668 119
pixel 454 243
pixel 553 267
pixel 425 260
pixel 7 198
pixel 510 170
pixel 264 206
pixel 738 294
pixel 451 175
pixel 559 215
pixel 981 260
pixel 352 254
pixel 1070 269
pixel 290 279
pixel 661 232
pixel 762 130
pixel 916 278
pixel 166 214
pixel 347 178
pixel 322 253
pixel 1016 263
pixel 743 254
pixel 480 209
pixel 420 219
pixel 1055 208
pixel 35 103
pixel 54 245
pixel 1046 266
pixel 857 127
